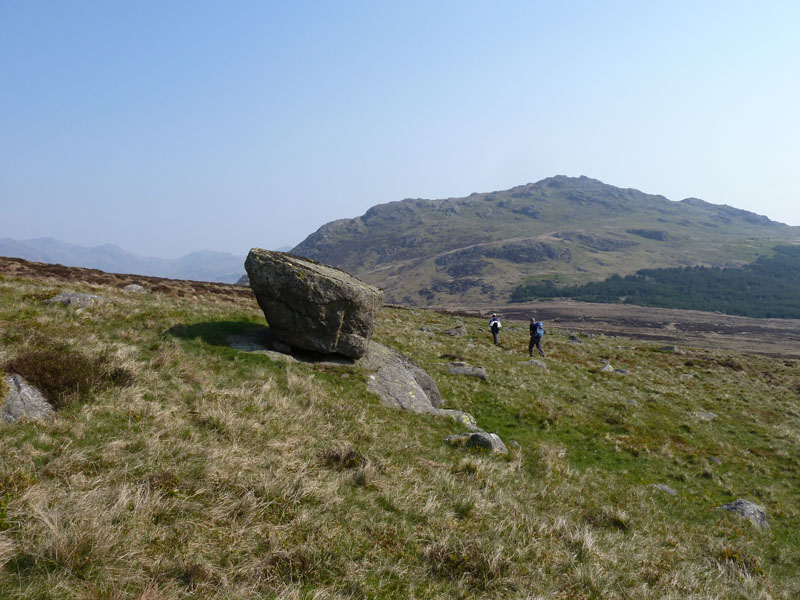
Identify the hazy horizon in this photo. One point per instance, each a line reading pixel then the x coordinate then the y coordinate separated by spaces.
pixel 167 129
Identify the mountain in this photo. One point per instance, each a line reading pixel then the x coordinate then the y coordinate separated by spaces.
pixel 561 230
pixel 203 265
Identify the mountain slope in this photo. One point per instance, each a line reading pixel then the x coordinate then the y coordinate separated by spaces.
pixel 203 265
pixel 561 229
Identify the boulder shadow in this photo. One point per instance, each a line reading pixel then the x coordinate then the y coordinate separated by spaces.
pixel 247 336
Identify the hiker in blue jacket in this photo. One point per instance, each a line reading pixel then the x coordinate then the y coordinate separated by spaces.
pixel 537 331
pixel 494 327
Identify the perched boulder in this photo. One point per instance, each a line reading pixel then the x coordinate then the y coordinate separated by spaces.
pixel 22 401
pixel 313 306
pixel 462 368
pixel 75 299
pixel 752 512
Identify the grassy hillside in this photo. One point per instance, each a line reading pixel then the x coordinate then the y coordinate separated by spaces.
pixel 178 467
pixel 461 251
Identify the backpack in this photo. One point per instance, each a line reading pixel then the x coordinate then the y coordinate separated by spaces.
pixel 538 329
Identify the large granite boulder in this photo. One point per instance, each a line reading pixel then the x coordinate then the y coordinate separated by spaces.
pixel 313 306
pixel 22 401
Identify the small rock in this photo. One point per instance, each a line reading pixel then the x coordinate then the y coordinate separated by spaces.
pixel 426 329
pixel 478 439
pixel 715 460
pixel 686 376
pixel 607 368
pixel 663 488
pixel 575 339
pixel 673 349
pixel 705 416
pixel 753 512
pixel 536 363
pixel 23 401
pixel 631 402
pixel 75 299
pixel 460 368
pixel 622 371
pixel 134 287
pixel 466 419
pixel 457 331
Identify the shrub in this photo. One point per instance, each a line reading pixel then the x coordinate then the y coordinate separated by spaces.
pixel 63 374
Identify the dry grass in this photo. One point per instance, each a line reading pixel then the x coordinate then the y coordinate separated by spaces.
pixel 220 474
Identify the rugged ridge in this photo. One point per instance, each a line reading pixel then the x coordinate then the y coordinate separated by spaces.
pixel 567 230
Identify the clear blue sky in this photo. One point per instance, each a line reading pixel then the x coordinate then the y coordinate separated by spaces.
pixel 167 127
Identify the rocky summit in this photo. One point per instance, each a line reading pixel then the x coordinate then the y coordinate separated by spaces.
pixel 313 306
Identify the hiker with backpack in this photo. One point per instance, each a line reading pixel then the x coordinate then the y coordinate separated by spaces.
pixel 537 331
pixel 494 327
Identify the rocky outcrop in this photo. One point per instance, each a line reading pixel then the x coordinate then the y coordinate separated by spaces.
pixel 75 299
pixel 400 383
pixel 22 401
pixel 313 306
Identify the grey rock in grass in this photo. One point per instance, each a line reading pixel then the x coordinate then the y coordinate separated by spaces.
pixel 461 368
pixel 464 418
pixel 631 402
pixel 399 381
pixel 607 368
pixel 622 371
pixel 458 331
pixel 575 339
pixel 536 363
pixel 478 439
pixel 748 510
pixel 705 416
pixel 75 299
pixel 24 402
pixel 673 349
pixel 313 306
pixel 663 488
pixel 134 287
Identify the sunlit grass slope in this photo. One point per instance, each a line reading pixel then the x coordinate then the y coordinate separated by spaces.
pixel 182 468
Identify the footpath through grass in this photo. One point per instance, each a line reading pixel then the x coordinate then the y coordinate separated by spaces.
pixel 182 468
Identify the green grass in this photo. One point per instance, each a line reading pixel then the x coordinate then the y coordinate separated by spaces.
pixel 216 473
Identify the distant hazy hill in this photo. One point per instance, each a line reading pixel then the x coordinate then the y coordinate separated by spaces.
pixel 204 265
pixel 562 230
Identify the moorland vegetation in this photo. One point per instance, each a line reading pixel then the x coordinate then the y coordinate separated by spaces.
pixel 179 467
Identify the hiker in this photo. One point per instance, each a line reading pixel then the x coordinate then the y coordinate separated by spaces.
pixel 537 331
pixel 494 327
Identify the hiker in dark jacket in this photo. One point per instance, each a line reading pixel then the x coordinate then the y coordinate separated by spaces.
pixel 494 327
pixel 537 331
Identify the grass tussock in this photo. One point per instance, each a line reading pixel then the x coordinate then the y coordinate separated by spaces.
pixel 208 472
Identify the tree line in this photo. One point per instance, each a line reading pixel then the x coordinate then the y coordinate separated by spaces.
pixel 768 287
